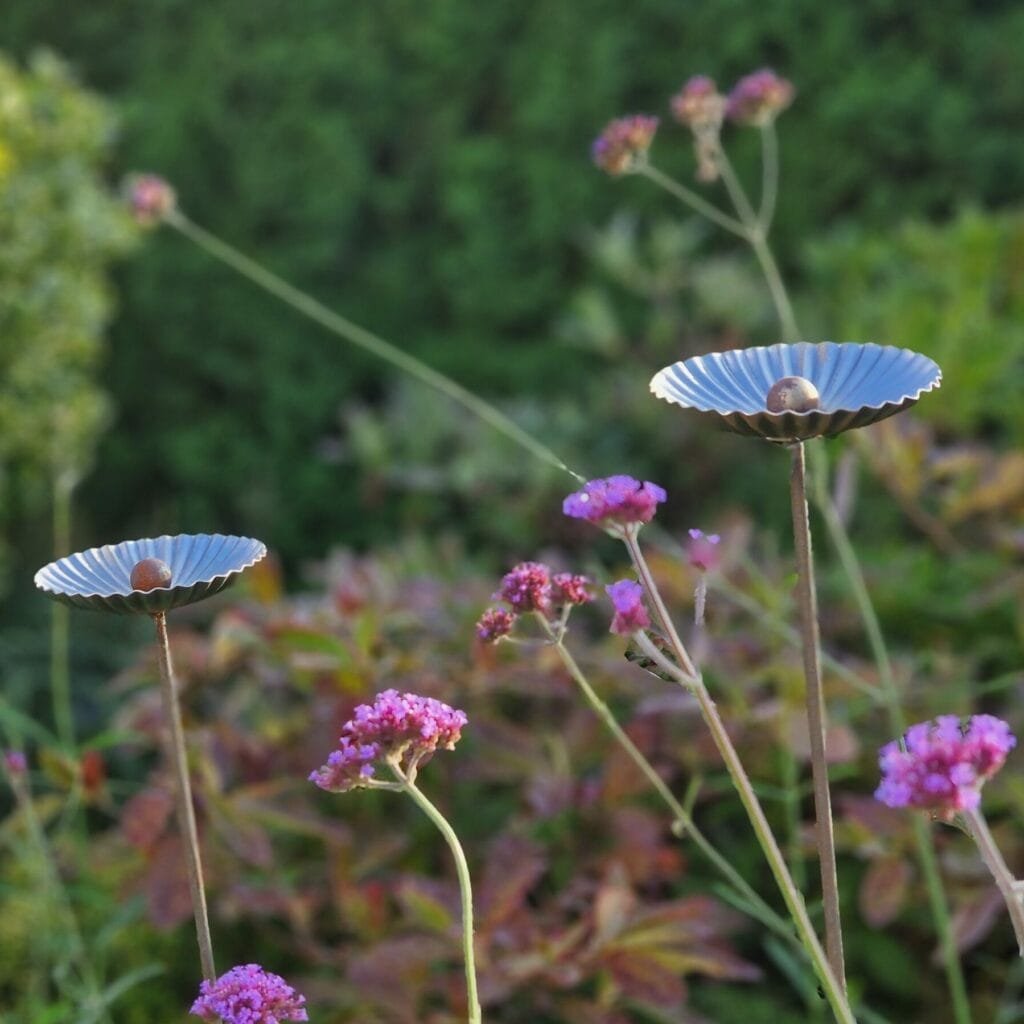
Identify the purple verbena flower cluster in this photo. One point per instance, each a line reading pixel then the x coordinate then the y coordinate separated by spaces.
pixel 526 588
pixel 615 502
pixel 395 726
pixel 624 143
pixel 248 994
pixel 494 624
pixel 944 764
pixel 630 614
pixel 531 587
pixel 759 98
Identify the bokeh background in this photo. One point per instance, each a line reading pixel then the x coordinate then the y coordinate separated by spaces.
pixel 424 169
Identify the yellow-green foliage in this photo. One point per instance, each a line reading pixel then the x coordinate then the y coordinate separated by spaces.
pixel 955 292
pixel 60 227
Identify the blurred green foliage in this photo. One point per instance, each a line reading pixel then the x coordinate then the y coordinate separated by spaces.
pixel 60 228
pixel 424 169
pixel 954 292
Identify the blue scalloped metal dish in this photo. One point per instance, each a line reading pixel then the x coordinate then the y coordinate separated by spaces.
pixel 857 384
pixel 201 565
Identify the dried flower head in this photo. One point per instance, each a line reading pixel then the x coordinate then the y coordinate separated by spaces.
pixel 149 197
pixel 248 994
pixel 400 728
pixel 569 588
pixel 494 624
pixel 699 104
pixel 622 146
pixel 759 98
pixel 615 502
pixel 702 550
pixel 944 764
pixel 527 588
pixel 630 614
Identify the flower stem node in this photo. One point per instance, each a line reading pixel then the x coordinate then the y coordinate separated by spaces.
pixel 793 394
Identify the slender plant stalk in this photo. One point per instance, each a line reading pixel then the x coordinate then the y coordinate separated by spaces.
pixel 364 339
pixel 681 672
pixel 60 672
pixel 465 887
pixel 683 820
pixel 693 199
pixel 815 696
pixel 769 176
pixel 993 858
pixel 183 798
pixel 938 902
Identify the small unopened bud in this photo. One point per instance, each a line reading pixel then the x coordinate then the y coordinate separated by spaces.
pixel 150 574
pixel 150 197
pixel 793 394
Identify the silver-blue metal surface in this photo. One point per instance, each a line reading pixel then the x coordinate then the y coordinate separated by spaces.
pixel 858 384
pixel 201 564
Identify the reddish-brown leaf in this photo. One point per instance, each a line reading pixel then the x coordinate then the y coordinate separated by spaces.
pixel 883 890
pixel 144 817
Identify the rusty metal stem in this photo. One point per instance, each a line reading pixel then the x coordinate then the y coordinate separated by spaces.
pixel 183 798
pixel 816 715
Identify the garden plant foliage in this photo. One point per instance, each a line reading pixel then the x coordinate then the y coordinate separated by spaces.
pixel 456 213
pixel 419 168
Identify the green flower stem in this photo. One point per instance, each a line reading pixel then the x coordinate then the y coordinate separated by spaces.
pixel 681 672
pixel 60 673
pixel 776 861
pixel 183 798
pixel 364 339
pixel 465 886
pixel 693 199
pixel 1009 887
pixel 808 601
pixel 769 175
pixel 684 822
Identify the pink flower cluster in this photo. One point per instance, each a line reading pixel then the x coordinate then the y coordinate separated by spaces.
pixel 759 98
pixel 699 104
pixel 624 143
pixel 249 995
pixel 615 502
pixel 531 587
pixel 403 726
pixel 944 764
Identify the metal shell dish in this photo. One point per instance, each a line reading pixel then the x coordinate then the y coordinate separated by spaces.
pixel 856 385
pixel 201 565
